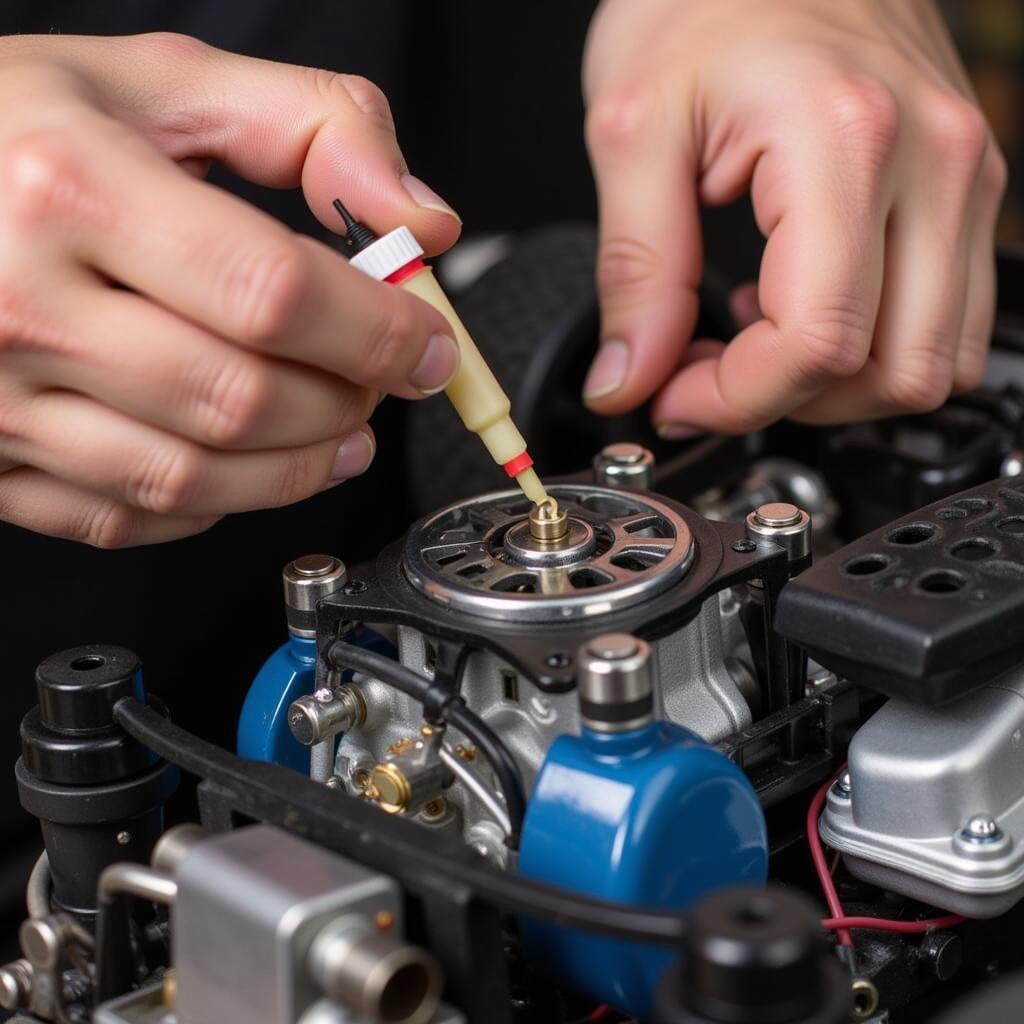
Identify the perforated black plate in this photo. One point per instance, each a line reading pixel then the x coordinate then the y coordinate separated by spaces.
pixel 925 608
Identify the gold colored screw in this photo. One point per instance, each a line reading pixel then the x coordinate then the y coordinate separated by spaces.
pixel 384 920
pixel 467 752
pixel 435 808
pixel 169 991
pixel 426 731
pixel 402 746
pixel 361 778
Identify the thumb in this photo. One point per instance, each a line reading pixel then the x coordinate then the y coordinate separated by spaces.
pixel 649 252
pixel 274 124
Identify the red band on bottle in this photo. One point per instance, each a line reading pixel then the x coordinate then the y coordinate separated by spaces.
pixel 515 466
pixel 403 273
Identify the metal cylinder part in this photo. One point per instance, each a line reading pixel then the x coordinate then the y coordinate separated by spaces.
pixel 377 975
pixel 782 523
pixel 131 879
pixel 314 717
pixel 626 466
pixel 175 845
pixel 548 523
pixel 15 985
pixel 307 581
pixel 614 683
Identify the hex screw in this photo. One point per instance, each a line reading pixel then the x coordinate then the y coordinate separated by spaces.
pixel 123 838
pixel 844 786
pixel 354 587
pixel 744 547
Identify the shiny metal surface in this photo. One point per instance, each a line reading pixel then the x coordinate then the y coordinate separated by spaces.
pixel 614 672
pixel 458 556
pixel 309 579
pixel 625 466
pixel 936 803
pixel 782 523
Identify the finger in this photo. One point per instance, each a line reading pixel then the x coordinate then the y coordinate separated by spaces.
pixel 928 255
pixel 275 124
pixel 74 438
pixel 155 367
pixel 980 308
pixel 649 254
pixel 42 503
pixel 821 198
pixel 216 260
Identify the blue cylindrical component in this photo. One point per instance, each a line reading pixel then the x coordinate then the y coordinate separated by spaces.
pixel 263 733
pixel 653 817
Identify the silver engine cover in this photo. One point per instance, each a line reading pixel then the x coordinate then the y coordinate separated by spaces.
pixel 917 776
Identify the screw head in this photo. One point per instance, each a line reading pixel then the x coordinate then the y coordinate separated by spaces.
pixel 744 547
pixel 314 565
pixel 981 828
pixel 324 695
pixel 123 838
pixel 558 659
pixel 354 587
pixel 778 513
pixel 623 453
pixel 844 785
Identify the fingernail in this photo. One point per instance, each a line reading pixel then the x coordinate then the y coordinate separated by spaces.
pixel 423 195
pixel 439 364
pixel 608 370
pixel 354 456
pixel 678 431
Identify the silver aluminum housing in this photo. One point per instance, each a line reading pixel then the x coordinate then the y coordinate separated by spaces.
pixel 918 775
pixel 250 903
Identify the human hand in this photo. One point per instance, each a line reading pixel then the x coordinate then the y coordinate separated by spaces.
pixel 168 353
pixel 874 178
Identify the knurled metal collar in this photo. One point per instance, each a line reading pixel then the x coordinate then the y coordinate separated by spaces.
pixel 388 254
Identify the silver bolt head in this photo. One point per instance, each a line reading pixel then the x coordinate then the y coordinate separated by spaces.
pixel 124 838
pixel 324 695
pixel 1013 464
pixel 844 784
pixel 314 565
pixel 777 513
pixel 623 453
pixel 981 827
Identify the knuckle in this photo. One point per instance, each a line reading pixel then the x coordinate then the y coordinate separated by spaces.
pixel 167 480
pixel 41 180
pixel 235 402
pixel 370 99
pixel 621 118
pixel 625 264
pixel 958 129
pixel 171 47
pixel 392 344
pixel 832 344
pixel 865 113
pixel 266 291
pixel 920 381
pixel 108 525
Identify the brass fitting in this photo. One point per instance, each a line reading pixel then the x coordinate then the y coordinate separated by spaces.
pixel 389 788
pixel 548 524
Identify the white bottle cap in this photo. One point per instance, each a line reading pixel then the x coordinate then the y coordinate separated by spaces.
pixel 389 253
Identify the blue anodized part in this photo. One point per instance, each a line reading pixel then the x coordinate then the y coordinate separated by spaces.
pixel 263 733
pixel 653 816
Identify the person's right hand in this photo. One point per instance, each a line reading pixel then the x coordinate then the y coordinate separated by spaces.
pixel 168 353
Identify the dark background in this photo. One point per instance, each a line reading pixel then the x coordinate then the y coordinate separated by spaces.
pixel 487 102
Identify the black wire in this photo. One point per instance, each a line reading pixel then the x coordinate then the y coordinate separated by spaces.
pixel 342 655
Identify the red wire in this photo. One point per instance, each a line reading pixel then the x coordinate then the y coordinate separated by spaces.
pixel 598 1014
pixel 881 924
pixel 838 922
pixel 835 908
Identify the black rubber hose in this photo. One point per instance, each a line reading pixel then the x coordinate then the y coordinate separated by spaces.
pixel 342 655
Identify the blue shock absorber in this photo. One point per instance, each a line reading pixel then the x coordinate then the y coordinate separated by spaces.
pixel 635 811
pixel 263 733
